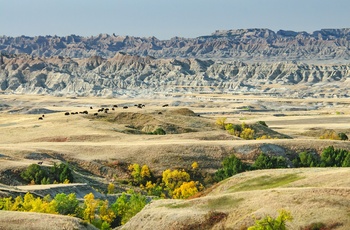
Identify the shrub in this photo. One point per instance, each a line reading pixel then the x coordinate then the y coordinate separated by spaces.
pixel 330 134
pixel 221 122
pixel 270 223
pixel 34 173
pixel 247 134
pixel 331 157
pixel 265 161
pixel 343 136
pixel 306 159
pixel 159 131
pixel 66 204
pixel 110 188
pixel 230 166
pixel 127 206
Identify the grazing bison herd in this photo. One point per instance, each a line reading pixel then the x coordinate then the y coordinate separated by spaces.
pixel 102 110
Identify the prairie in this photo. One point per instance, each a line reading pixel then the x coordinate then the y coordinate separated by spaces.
pixel 122 136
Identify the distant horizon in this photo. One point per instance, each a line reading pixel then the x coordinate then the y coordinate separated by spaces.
pixel 126 35
pixel 166 19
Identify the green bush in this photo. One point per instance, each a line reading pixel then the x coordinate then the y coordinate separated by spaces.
pixel 306 159
pixel 42 175
pixel 343 136
pixel 270 223
pixel 230 166
pixel 265 161
pixel 67 204
pixel 34 173
pixel 127 206
pixel 159 131
pixel 331 157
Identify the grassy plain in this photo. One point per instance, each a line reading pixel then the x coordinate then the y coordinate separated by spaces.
pixel 120 137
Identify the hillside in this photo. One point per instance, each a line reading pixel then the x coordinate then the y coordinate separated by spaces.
pixel 39 221
pixel 311 195
pixel 137 76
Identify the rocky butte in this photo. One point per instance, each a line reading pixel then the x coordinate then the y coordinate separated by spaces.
pixel 294 64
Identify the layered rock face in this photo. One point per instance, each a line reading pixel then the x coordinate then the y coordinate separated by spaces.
pixel 242 45
pixel 131 75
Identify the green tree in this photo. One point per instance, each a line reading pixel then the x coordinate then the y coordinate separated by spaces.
pixel 265 161
pixel 343 136
pixel 230 166
pixel 67 204
pixel 306 159
pixel 128 205
pixel 34 173
pixel 159 131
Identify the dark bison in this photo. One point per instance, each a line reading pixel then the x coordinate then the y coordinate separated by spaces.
pixel 40 162
pixel 90 107
pixel 115 106
pixel 66 113
pixel 125 107
pixel 165 105
pixel 40 118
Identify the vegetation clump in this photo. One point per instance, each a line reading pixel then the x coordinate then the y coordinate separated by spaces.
pixel 270 223
pixel 36 174
pixel 94 211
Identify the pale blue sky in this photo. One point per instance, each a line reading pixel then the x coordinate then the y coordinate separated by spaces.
pixel 165 19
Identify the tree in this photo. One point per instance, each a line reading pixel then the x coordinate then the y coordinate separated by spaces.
pixel 110 188
pixel 135 170
pixel 34 173
pixel 159 131
pixel 186 190
pixel 66 204
pixel 145 173
pixel 343 136
pixel 127 206
pixel 269 223
pixel 90 207
pixel 194 165
pixel 306 159
pixel 221 122
pixel 174 179
pixel 230 166
pixel 247 134
pixel 265 161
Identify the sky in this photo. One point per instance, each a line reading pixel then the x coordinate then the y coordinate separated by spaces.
pixel 165 19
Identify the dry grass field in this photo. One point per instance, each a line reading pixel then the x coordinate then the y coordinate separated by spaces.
pixel 120 137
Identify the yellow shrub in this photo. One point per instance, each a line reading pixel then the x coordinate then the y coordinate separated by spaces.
pixel 247 134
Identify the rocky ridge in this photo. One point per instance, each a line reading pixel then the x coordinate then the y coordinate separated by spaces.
pixel 132 75
pixel 240 44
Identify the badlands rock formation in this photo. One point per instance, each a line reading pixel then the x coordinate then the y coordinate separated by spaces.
pixel 242 44
pixel 132 75
pixel 294 64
